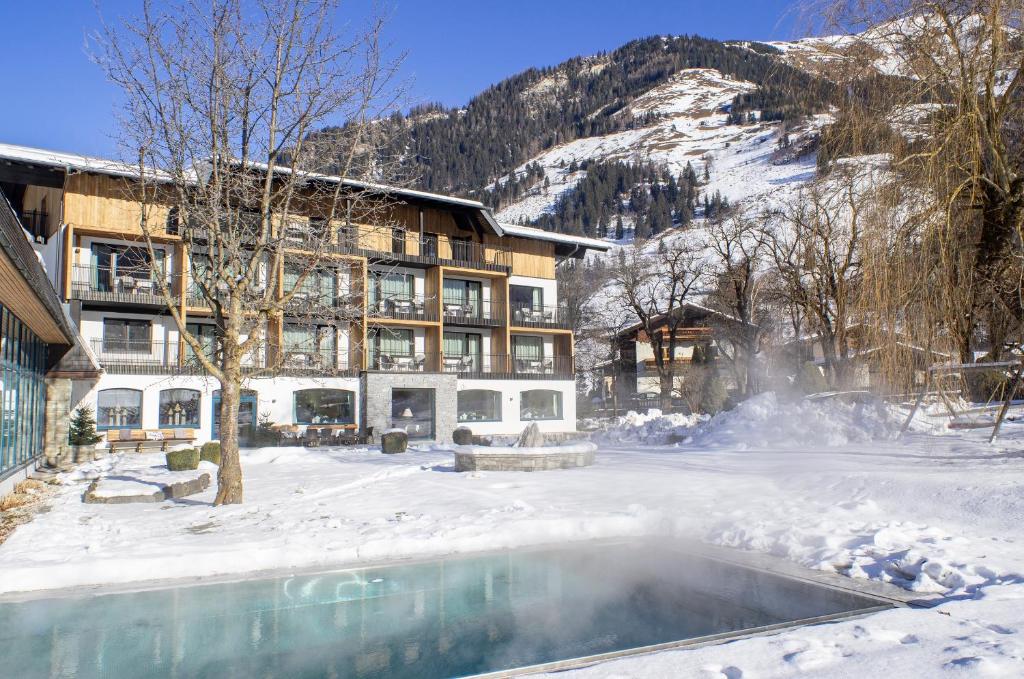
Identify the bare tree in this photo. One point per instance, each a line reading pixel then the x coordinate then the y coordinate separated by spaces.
pixel 814 249
pixel 222 98
pixel 955 116
pixel 655 287
pixel 739 248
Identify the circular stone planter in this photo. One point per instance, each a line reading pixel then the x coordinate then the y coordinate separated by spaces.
pixel 500 459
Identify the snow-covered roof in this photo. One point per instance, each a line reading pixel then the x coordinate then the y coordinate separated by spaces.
pixel 540 234
pixel 66 161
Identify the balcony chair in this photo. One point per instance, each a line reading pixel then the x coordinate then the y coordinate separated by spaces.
pixel 419 362
pixel 386 362
pixel 465 364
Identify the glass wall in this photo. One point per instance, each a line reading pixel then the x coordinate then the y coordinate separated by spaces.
pixel 22 370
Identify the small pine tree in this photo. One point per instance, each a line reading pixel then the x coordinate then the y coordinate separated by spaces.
pixel 82 431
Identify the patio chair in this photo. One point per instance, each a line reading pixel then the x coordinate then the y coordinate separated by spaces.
pixel 386 362
pixel 312 437
pixel 465 364
pixel 547 366
pixel 419 362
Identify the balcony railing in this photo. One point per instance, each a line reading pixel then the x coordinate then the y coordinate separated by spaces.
pixel 403 307
pixel 467 312
pixel 405 363
pixel 509 367
pixel 104 284
pixel 316 362
pixel 410 247
pixel 123 357
pixel 538 316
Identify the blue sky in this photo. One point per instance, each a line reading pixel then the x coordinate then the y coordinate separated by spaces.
pixel 57 98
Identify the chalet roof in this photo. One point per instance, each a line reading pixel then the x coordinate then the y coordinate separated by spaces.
pixel 534 233
pixel 61 160
pixel 689 307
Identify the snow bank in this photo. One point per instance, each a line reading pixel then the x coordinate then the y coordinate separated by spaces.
pixel 764 421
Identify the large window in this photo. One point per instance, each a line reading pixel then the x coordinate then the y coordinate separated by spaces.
pixel 525 297
pixel 324 406
pixel 23 391
pixel 413 411
pixel 206 334
pixel 392 342
pixel 320 285
pixel 179 408
pixel 123 334
pixel 119 409
pixel 120 268
pixel 387 288
pixel 540 404
pixel 464 349
pixel 479 405
pixel 310 347
pixel 465 296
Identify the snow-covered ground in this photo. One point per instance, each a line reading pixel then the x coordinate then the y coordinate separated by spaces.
pixel 823 484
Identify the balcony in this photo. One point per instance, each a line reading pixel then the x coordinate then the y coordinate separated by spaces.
pixel 339 304
pixel 473 313
pixel 407 363
pixel 403 307
pixel 155 358
pixel 316 362
pixel 408 247
pixel 504 366
pixel 539 316
pixel 102 284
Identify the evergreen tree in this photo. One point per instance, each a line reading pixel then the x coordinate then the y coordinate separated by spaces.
pixel 82 431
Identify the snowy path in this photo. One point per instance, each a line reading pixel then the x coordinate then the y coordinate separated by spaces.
pixel 932 513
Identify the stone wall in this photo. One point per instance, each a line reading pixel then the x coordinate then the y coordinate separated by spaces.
pixel 56 450
pixel 376 400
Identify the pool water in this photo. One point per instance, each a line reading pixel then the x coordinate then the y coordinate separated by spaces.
pixel 444 618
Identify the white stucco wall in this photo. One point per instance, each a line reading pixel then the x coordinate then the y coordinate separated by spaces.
pixel 550 286
pixel 510 391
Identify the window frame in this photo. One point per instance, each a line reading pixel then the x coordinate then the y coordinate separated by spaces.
pixel 127 342
pixel 198 406
pixel 351 405
pixel 495 394
pixel 106 427
pixel 559 407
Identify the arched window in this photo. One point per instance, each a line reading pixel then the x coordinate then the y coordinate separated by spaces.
pixel 479 405
pixel 540 404
pixel 119 409
pixel 324 406
pixel 179 408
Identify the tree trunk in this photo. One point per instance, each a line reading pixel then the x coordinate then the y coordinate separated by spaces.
pixel 665 383
pixel 229 474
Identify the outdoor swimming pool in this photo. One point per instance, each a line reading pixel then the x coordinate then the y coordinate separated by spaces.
pixel 452 617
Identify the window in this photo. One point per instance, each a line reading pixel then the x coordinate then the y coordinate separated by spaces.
pixel 466 296
pixel 462 249
pixel 119 409
pixel 123 334
pixel 398 241
pixel 179 408
pixel 528 347
pixel 526 297
pixel 310 347
pixel 479 405
pixel 118 268
pixel 320 285
pixel 412 410
pixel 389 287
pixel 391 342
pixel 207 336
pixel 428 245
pixel 540 404
pixel 464 345
pixel 324 406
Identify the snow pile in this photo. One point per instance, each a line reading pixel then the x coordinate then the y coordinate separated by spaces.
pixel 764 421
pixel 651 428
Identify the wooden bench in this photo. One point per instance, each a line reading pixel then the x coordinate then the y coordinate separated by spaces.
pixel 141 439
